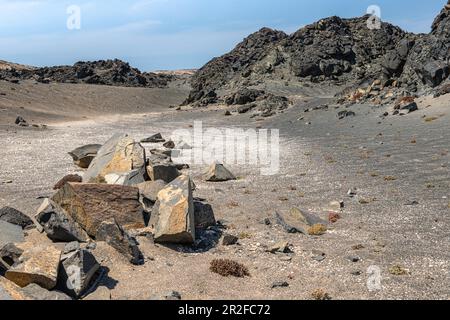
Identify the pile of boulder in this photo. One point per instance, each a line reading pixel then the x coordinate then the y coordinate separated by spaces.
pixel 122 194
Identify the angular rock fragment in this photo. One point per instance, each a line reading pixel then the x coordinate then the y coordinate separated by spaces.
pixel 120 154
pixel 163 171
pixel 84 155
pixel 130 178
pixel 114 235
pixel 68 178
pixel 229 239
pixel 148 193
pixel 218 173
pixel 77 268
pixel 58 225
pixel 15 217
pixel 36 292
pixel 156 138
pixel 9 255
pixel 39 265
pixel 297 221
pixel 173 215
pixel 91 204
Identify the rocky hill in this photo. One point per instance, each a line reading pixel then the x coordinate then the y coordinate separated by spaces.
pixel 333 50
pixel 103 72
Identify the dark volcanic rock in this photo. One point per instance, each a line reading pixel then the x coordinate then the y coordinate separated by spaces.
pixel 16 217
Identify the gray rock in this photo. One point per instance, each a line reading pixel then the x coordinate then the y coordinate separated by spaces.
pixel 280 284
pixel 203 215
pixel 156 138
pixel 218 173
pixel 77 269
pixel 297 221
pixel 9 255
pixel 10 233
pixel 229 239
pixel 58 225
pixel 130 178
pixel 84 155
pixel 35 292
pixel 114 235
pixel 166 172
pixel 16 217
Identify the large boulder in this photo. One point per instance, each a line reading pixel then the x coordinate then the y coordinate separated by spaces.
pixel 203 215
pixel 173 214
pixel 84 155
pixel 91 204
pixel 10 233
pixel 163 171
pixel 77 269
pixel 130 178
pixel 114 235
pixel 218 173
pixel 16 217
pixel 39 265
pixel 120 154
pixel 10 291
pixel 58 225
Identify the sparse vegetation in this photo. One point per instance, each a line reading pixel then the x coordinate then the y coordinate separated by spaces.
pixel 398 271
pixel 320 295
pixel 227 268
pixel 317 230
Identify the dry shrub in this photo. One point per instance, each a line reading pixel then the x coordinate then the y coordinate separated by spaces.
pixel 320 294
pixel 69 178
pixel 227 268
pixel 333 217
pixel 398 271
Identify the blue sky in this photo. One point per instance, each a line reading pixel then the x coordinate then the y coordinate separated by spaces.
pixel 171 34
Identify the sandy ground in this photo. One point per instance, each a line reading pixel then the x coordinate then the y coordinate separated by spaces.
pixel 391 162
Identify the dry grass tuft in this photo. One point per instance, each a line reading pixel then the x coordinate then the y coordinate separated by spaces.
pixel 320 294
pixel 317 230
pixel 227 268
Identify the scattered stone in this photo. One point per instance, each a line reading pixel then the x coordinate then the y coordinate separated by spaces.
pixel 352 193
pixel 16 217
pixel 58 225
pixel 353 259
pixel 318 256
pixel 10 233
pixel 227 113
pixel 345 114
pixel 203 215
pixel 333 217
pixel 356 273
pixel 75 178
pixel 218 173
pixel 21 121
pixel 120 154
pixel 83 156
pixel 280 247
pixel 297 221
pixel 279 284
pixel 169 145
pixel 267 222
pixel 173 216
pixel 39 265
pixel 336 206
pixel 173 295
pixel 77 268
pixel 114 235
pixel 156 138
pixel 227 268
pixel 163 171
pixel 91 204
pixel 412 203
pixel 229 239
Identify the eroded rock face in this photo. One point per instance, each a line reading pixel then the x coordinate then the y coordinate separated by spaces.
pixel 38 265
pixel 173 214
pixel 91 204
pixel 119 155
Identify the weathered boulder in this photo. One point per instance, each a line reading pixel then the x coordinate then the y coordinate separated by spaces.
pixel 163 171
pixel 91 204
pixel 150 189
pixel 16 217
pixel 84 155
pixel 120 154
pixel 218 173
pixel 297 221
pixel 156 138
pixel 113 234
pixel 173 215
pixel 10 291
pixel 10 233
pixel 203 215
pixel 58 225
pixel 69 178
pixel 9 255
pixel 39 265
pixel 77 268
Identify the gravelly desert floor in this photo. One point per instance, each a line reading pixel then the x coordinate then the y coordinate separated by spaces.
pixel 391 162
